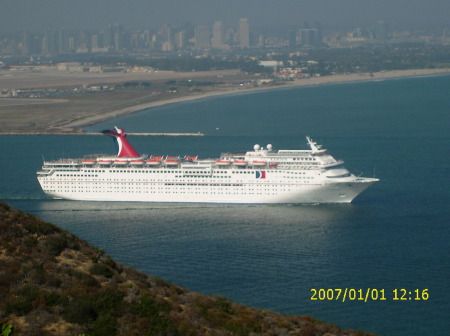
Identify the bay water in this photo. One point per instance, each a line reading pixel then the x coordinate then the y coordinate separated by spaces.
pixel 394 236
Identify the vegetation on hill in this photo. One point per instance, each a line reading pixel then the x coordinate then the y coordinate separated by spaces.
pixel 53 283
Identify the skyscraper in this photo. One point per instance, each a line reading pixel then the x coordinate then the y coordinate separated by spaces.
pixel 167 38
pixel 309 37
pixel 292 38
pixel 180 39
pixel 261 41
pixel 244 33
pixel 49 43
pixel 382 31
pixel 27 43
pixel 94 43
pixel 201 37
pixel 117 37
pixel 62 37
pixel 217 40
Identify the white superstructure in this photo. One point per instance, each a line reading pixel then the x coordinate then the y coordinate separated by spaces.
pixel 263 175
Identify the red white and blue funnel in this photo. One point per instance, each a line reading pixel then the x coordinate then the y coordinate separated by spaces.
pixel 124 147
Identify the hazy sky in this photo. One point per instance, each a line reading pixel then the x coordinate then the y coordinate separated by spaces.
pixel 285 14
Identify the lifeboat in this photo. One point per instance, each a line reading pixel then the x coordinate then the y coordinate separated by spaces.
pixel 137 162
pixel 259 163
pixel 223 162
pixel 156 158
pixel 152 162
pixel 273 164
pixel 240 162
pixel 120 162
pixel 171 162
pixel 88 162
pixel 190 158
pixel 104 162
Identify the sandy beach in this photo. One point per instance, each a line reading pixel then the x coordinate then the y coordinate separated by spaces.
pixel 69 114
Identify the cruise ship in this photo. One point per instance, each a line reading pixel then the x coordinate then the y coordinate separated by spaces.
pixel 258 176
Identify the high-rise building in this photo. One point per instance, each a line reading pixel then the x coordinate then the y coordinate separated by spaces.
pixel 309 37
pixel 201 37
pixel 83 42
pixel 180 39
pixel 118 37
pixel 167 38
pixel 292 38
pixel 27 44
pixel 63 44
pixel 72 43
pixel 261 41
pixel 231 37
pixel 244 33
pixel 94 43
pixel 49 43
pixel 382 31
pixel 147 36
pixel 218 39
pixel 319 28
pixel 108 38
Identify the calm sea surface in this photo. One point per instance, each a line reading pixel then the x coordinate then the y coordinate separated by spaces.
pixel 394 236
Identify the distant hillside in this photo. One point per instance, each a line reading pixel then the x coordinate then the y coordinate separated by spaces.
pixel 53 283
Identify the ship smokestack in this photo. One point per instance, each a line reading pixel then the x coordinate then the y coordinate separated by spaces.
pixel 124 147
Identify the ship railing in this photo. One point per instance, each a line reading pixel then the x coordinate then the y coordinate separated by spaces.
pixel 283 167
pixel 331 164
pixel 45 172
pixel 70 162
pixel 62 166
pixel 96 156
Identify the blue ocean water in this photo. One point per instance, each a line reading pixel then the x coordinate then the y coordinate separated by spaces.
pixel 394 236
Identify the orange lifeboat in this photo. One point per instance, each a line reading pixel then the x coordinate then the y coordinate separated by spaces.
pixel 171 162
pixel 153 162
pixel 120 162
pixel 240 162
pixel 223 162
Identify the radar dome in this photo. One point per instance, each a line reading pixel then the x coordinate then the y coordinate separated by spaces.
pixel 256 147
pixel 269 147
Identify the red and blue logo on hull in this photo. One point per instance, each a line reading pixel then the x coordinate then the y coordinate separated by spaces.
pixel 260 174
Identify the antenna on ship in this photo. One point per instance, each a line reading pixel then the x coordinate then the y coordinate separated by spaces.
pixel 313 145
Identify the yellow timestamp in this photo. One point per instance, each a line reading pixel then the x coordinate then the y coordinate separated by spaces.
pixel 369 294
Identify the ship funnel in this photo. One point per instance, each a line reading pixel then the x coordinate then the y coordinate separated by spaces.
pixel 124 147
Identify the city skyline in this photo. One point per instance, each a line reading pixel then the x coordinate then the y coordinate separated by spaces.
pixel 264 15
pixel 189 38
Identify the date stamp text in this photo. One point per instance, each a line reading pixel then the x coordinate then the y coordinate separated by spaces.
pixel 369 294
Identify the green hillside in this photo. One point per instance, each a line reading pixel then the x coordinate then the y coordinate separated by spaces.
pixel 53 283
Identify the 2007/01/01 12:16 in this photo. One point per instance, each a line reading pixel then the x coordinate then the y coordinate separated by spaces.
pixel 369 294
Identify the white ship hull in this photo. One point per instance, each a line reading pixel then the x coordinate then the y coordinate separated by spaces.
pixel 303 176
pixel 140 188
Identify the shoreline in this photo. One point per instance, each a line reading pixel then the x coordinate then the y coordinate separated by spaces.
pixel 308 82
pixel 99 133
pixel 75 126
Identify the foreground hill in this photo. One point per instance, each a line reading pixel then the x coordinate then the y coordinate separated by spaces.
pixel 53 283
